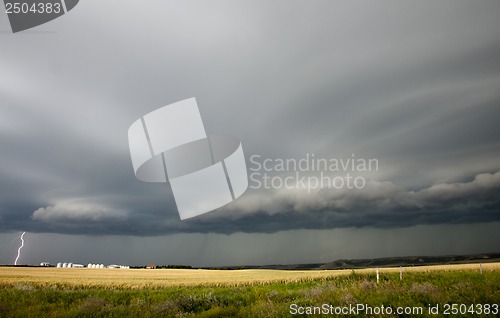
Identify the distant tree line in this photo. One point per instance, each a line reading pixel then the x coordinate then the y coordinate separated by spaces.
pixel 165 267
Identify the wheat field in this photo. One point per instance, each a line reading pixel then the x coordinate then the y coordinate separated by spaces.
pixel 158 278
pixel 68 292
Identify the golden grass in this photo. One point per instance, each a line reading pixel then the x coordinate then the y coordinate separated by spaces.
pixel 158 278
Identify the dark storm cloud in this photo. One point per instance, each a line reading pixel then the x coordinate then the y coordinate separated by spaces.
pixel 380 204
pixel 415 85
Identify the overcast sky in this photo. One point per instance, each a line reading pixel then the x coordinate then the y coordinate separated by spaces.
pixel 413 84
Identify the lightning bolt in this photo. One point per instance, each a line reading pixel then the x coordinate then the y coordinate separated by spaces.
pixel 20 248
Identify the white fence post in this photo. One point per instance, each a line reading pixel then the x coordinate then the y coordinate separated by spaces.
pixel 400 273
pixel 481 268
pixel 378 276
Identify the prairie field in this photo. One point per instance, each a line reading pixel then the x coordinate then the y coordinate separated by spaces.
pixel 71 292
pixel 158 278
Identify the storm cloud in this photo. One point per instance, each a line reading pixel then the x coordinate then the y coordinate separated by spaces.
pixel 414 84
